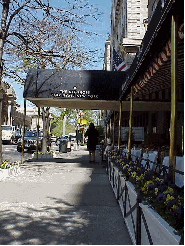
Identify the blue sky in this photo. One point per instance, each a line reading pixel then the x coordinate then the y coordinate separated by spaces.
pixel 102 28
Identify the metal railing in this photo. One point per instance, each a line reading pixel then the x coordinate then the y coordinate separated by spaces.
pixel 128 209
pixel 101 151
pixel 122 195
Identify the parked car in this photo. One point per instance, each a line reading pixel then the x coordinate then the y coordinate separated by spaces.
pixel 30 141
pixel 16 136
pixel 53 138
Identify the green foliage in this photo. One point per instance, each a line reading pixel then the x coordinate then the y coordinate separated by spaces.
pixel 71 119
pixel 58 130
pixel 83 144
pixel 100 130
pixel 101 133
pixel 90 116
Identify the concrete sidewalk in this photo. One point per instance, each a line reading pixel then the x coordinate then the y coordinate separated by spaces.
pixel 66 200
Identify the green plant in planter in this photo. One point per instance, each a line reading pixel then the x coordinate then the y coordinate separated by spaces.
pixel 5 165
pixel 156 191
pixel 2 166
pixel 15 163
pixel 47 152
pixel 83 144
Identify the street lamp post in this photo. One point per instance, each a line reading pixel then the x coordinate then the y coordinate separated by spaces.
pixel 77 127
pixel 64 123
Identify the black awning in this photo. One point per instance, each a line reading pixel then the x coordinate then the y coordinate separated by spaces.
pixel 73 84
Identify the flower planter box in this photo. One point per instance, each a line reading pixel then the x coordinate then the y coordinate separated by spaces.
pixel 118 184
pixel 121 193
pixel 4 173
pixel 16 169
pixel 43 156
pixel 160 231
pixel 130 220
pixel 115 177
pixel 13 170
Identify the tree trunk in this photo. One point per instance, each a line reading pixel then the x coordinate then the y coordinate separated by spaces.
pixel 45 117
pixel 5 12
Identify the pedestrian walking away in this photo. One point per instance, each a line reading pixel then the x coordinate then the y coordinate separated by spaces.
pixel 92 134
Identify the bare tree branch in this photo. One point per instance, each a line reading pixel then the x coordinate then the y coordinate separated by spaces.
pixel 14 14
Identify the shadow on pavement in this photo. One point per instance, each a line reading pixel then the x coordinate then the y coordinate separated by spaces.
pixel 76 208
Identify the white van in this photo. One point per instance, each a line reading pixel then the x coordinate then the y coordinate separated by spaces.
pixel 7 133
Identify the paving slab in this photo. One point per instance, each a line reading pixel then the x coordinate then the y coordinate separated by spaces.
pixel 66 200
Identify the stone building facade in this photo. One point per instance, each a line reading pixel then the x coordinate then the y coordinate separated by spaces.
pixel 10 114
pixel 107 54
pixel 128 26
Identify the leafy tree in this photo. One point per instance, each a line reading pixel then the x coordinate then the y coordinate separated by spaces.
pixel 58 129
pixel 90 116
pixel 71 119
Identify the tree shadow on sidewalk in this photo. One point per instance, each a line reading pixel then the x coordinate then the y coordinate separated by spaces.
pixel 61 224
pixel 73 212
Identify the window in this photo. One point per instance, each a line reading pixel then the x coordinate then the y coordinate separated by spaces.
pixel 169 93
pixel 141 120
pixel 138 123
pixel 154 123
pixel 156 95
pixel 7 128
pixel 134 121
pixel 163 94
pixel 154 129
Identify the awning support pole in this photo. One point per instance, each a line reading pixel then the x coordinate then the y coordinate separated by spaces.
pixel 113 136
pixel 130 124
pixel 172 151
pixel 23 133
pixel 37 141
pixel 119 136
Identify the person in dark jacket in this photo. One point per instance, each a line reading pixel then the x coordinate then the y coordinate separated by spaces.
pixel 92 135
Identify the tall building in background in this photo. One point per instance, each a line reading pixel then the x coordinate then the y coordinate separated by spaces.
pixel 107 65
pixel 129 20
